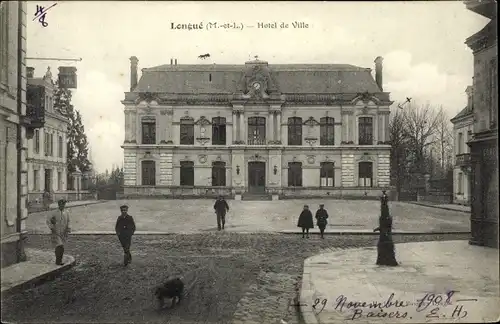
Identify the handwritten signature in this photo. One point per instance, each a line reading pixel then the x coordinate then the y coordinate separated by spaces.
pixel 430 304
pixel 41 13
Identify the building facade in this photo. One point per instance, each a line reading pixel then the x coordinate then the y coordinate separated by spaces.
pixel 463 124
pixel 256 128
pixel 47 159
pixel 484 144
pixel 13 180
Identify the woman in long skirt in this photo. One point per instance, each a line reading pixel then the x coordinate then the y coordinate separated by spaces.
pixel 305 221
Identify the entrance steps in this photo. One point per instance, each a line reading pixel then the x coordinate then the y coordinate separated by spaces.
pixel 256 196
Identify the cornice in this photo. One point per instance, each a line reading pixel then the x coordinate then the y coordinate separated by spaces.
pixel 239 99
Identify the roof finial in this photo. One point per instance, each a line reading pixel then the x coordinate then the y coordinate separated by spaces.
pixel 256 57
pixel 48 74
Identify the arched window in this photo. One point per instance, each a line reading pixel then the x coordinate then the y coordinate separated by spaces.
pixel 187 173
pixel 148 130
pixel 295 174
pixel 187 131
pixel 218 173
pixel 256 131
pixel 365 174
pixel 327 131
pixel 218 131
pixel 148 173
pixel 365 131
pixel 294 131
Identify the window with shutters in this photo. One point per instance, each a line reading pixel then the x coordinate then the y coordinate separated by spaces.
pixel 493 92
pixel 218 131
pixel 327 174
pixel 148 130
pixel 294 131
pixel 327 131
pixel 187 131
pixel 60 147
pixel 36 141
pixel 4 40
pixel 187 173
pixel 148 173
pixel 365 174
pixel 365 127
pixel 295 174
pixel 218 173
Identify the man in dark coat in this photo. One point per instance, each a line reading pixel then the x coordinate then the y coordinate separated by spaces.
pixel 221 208
pixel 125 228
pixel 321 219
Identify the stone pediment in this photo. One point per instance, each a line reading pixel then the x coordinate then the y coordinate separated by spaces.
pixel 256 81
pixel 203 121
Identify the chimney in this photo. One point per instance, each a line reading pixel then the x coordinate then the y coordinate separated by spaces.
pixel 470 97
pixel 30 72
pixel 133 72
pixel 171 61
pixel 378 72
pixel 175 61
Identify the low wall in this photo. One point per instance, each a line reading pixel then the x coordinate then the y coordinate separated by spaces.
pixel 228 192
pixel 436 197
pixel 175 192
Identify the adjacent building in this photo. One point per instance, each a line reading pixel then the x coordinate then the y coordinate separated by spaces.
pixel 284 130
pixel 484 144
pixel 13 130
pixel 47 159
pixel 463 124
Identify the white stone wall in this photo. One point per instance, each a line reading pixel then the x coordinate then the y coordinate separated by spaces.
pixel 166 168
pixel 9 197
pixel 348 179
pixel 130 168
pixel 384 169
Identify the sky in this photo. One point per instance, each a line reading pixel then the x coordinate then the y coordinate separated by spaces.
pixel 422 44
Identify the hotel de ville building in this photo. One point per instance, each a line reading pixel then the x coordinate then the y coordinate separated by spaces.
pixel 256 129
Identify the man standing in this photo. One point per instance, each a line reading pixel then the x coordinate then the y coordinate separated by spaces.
pixel 221 208
pixel 58 223
pixel 125 228
pixel 321 218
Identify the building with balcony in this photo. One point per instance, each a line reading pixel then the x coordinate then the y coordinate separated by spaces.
pixel 46 155
pixel 484 143
pixel 463 124
pixel 13 180
pixel 285 130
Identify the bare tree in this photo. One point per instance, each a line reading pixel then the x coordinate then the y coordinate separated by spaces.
pixel 420 126
pixel 397 136
pixel 443 141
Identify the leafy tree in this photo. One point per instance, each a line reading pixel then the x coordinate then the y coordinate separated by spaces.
pixel 77 147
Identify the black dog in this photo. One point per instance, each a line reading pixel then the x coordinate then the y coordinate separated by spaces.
pixel 172 289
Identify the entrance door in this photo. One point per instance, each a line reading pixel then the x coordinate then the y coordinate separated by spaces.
pixel 48 180
pixel 257 177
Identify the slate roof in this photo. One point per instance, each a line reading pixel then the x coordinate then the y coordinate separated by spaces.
pixel 225 79
pixel 464 112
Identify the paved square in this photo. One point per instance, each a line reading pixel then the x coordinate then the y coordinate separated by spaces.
pixel 191 216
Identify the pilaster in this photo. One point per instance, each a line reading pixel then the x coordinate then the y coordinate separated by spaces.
pixel 130 167
pixel 166 167
pixel 383 170
pixel 348 169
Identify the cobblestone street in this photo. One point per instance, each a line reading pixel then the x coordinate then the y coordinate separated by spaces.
pixel 192 216
pixel 242 278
